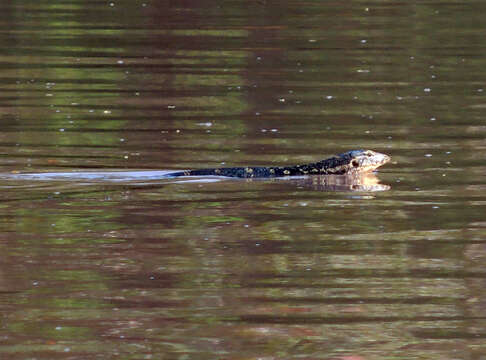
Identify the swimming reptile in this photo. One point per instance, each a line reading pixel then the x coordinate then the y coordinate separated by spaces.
pixel 348 163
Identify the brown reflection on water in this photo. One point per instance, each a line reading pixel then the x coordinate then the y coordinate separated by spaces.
pixel 150 268
pixel 234 266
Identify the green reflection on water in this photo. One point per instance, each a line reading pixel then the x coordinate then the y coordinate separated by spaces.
pixel 48 330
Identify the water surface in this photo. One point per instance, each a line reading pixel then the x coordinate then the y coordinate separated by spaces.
pixel 140 267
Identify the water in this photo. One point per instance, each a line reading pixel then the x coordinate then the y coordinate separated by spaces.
pixel 102 259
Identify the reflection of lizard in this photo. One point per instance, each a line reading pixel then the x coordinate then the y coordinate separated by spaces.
pixel 351 162
pixel 367 182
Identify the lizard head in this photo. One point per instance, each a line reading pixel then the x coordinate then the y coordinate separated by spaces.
pixel 361 161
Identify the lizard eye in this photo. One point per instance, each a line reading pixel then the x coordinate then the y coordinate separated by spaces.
pixel 355 163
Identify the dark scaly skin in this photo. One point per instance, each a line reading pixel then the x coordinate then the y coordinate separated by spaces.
pixel 351 162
